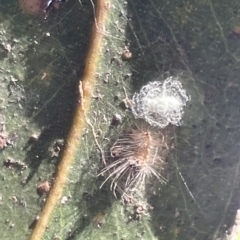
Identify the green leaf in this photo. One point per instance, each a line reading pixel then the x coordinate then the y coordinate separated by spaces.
pixel 41 64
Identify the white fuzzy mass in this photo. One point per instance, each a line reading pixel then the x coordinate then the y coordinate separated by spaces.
pixel 161 103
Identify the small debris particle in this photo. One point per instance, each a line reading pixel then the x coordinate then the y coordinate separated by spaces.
pixel 64 200
pixel 11 225
pixel 14 198
pixel 33 138
pixel 116 120
pixel 56 147
pixel 3 139
pixel 126 55
pixel 43 188
pixel 127 76
pixel 10 162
